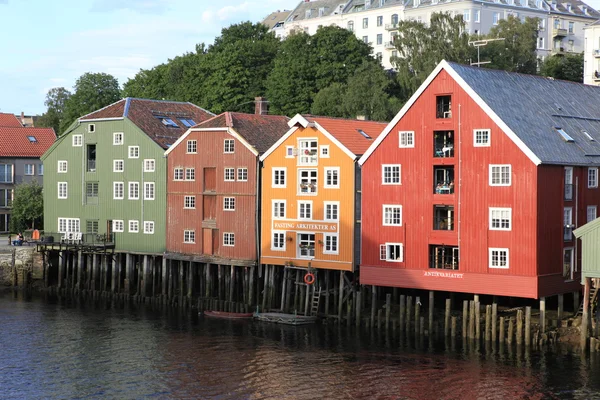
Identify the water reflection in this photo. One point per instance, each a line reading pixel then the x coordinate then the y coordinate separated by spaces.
pixel 64 349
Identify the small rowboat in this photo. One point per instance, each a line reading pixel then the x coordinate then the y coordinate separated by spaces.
pixel 228 315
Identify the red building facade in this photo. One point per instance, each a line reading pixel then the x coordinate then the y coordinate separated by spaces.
pixel 212 189
pixel 461 195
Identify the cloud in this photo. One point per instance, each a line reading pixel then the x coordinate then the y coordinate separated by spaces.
pixel 141 6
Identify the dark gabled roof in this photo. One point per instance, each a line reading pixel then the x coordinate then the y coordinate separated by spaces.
pixel 275 17
pixel 534 106
pixel 148 115
pixel 329 7
pixel 16 142
pixel 9 120
pixel 260 131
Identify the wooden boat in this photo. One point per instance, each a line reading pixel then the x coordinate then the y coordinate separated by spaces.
pixel 228 315
pixel 286 319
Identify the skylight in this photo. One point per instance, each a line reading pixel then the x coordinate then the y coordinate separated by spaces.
pixel 364 134
pixel 32 139
pixel 564 135
pixel 187 122
pixel 168 122
pixel 587 135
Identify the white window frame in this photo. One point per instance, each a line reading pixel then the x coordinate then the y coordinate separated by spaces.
pixel 310 191
pixel 66 190
pixel 134 226
pixel 229 146
pixel 189 202
pixel 226 172
pixel 231 239
pixel 91 128
pixel 190 174
pixel 325 244
pixel 176 172
pixel 228 203
pixel 242 174
pixel 500 167
pixel 324 151
pixel 277 205
pixel 27 172
pixel 385 247
pixel 391 167
pixel 335 173
pixel 68 225
pixel 191 147
pixel 77 140
pixel 303 204
pixel 149 188
pixel 115 190
pixel 592 177
pixel 149 165
pixel 499 250
pixel 477 143
pixel 592 213
pixel 149 227
pixel 305 144
pixel 116 164
pixel 189 236
pixel 383 216
pixel 335 204
pixel 406 139
pixel 62 163
pixel 118 138
pixel 132 185
pixel 118 225
pixel 496 18
pixel 289 152
pixel 275 248
pixel 274 170
pixel 133 152
pixel 500 210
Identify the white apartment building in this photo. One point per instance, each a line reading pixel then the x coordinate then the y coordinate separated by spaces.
pixel 376 21
pixel 591 55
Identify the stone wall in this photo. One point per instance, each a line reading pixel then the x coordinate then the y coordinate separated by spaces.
pixel 26 262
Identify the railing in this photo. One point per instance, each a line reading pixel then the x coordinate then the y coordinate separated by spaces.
pixel 559 32
pixel 568 191
pixel 391 27
pixel 568 233
pixel 78 238
pixel 443 224
pixel 443 187
pixel 443 151
pixel 390 45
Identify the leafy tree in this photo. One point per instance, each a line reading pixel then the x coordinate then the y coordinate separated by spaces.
pixel 148 84
pixel 329 101
pixel 92 92
pixel 56 98
pixel 517 52
pixel 27 207
pixel 568 67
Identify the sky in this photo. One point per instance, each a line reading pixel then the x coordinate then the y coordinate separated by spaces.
pixel 46 44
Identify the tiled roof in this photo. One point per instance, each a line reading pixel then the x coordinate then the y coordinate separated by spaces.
pixel 260 131
pixel 534 106
pixel 347 131
pixel 9 120
pixel 146 114
pixel 14 141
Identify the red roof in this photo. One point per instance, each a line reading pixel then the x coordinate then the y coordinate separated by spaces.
pixel 348 131
pixel 25 142
pixel 9 120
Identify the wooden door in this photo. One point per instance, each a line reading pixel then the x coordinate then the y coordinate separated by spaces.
pixel 210 179
pixel 209 208
pixel 207 241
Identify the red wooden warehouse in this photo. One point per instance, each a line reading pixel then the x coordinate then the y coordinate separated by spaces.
pixel 478 182
pixel 212 190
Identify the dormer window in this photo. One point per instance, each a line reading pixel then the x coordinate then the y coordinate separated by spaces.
pixel 568 6
pixel 32 139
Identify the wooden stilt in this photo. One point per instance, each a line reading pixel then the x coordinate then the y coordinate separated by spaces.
pixel 402 311
pixel 465 318
pixel 447 318
pixel 190 286
pixel 519 327
pixel 477 320
pixel 341 295
pixel 165 279
pixel 453 328
pixel 220 281
pixel 561 302
pixel 79 270
pixel 543 314
pixel 430 315
pixel 327 290
pixel 251 285
pixel 61 268
pixel 488 323
pixel 501 333
pixel 358 306
pixel 510 331
pixel 472 320
pixel 494 321
pixel 408 313
pixel 283 289
pixel 576 302
pixel 388 310
pixel 585 317
pixel 527 326
pixel 417 314
pixel 373 304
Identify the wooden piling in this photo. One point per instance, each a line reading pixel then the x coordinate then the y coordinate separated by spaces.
pixel 388 309
pixel 472 319
pixel 511 329
pixel 519 327
pixel 341 295
pixel 501 333
pixel 585 317
pixel 447 317
pixel 477 320
pixel 358 307
pixel 465 318
pixel 284 289
pixel 576 302
pixel 402 311
pixel 417 313
pixel 494 321
pixel 453 328
pixel 488 323
pixel 61 267
pixel 408 312
pixel 527 326
pixel 379 312
pixel 373 304
pixel 561 307
pixel 430 315
pixel 543 314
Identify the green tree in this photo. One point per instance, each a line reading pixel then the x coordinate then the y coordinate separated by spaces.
pixel 421 48
pixel 92 92
pixel 517 52
pixel 568 67
pixel 56 98
pixel 329 101
pixel 27 207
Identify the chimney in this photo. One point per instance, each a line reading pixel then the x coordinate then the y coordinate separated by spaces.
pixel 261 106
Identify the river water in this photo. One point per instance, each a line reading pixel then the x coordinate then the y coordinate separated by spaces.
pixel 51 348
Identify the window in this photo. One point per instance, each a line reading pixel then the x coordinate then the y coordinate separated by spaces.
pixel 278 241
pixel 148 190
pixel 500 175
pixel 392 215
pixel 498 258
pixel 324 151
pixel 68 225
pixel 6 196
pixel 379 38
pixel 190 174
pixel 178 174
pixel 191 146
pixel 62 166
pixel 134 151
pixel 568 223
pixel 332 177
pixel 541 43
pixel 592 177
pixel 189 202
pixel 134 190
pixel 305 210
pixel 568 183
pixel 365 39
pixel 331 243
pixel 187 122
pixel 496 18
pixel 394 19
pixel 32 139
pixel 278 209
pixel 571 27
pixel 306 245
pixel 118 165
pixel 91 158
pixel 149 165
pixel 6 175
pixel 134 226
pixel 242 174
pixel 228 239
pixel 62 190
pixel 390 174
pixel 149 227
pixel 229 203
pixel 500 219
pixel 308 181
pixel 229 174
pixel 168 122
pixel 407 139
pixel 289 152
pixel 29 169
pixel 229 145
pixel 351 26
pixel 117 138
pixel 391 252
pixel 379 56
pixel 443 107
pixel 77 140
pixel 591 213
pixel 481 137
pixel 118 225
pixel 189 236
pixel 467 15
pixel 332 211
pixel 565 136
pixel 365 24
pixel 91 192
pixel 307 152
pixel 40 169
pixel 91 226
pixel 380 20
pixel 91 128
pixel 476 15
pixel 278 178
pixel 118 190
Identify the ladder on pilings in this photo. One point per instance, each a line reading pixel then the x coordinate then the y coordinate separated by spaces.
pixel 593 300
pixel 316 299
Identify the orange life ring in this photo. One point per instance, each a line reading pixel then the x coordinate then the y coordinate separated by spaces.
pixel 309 279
